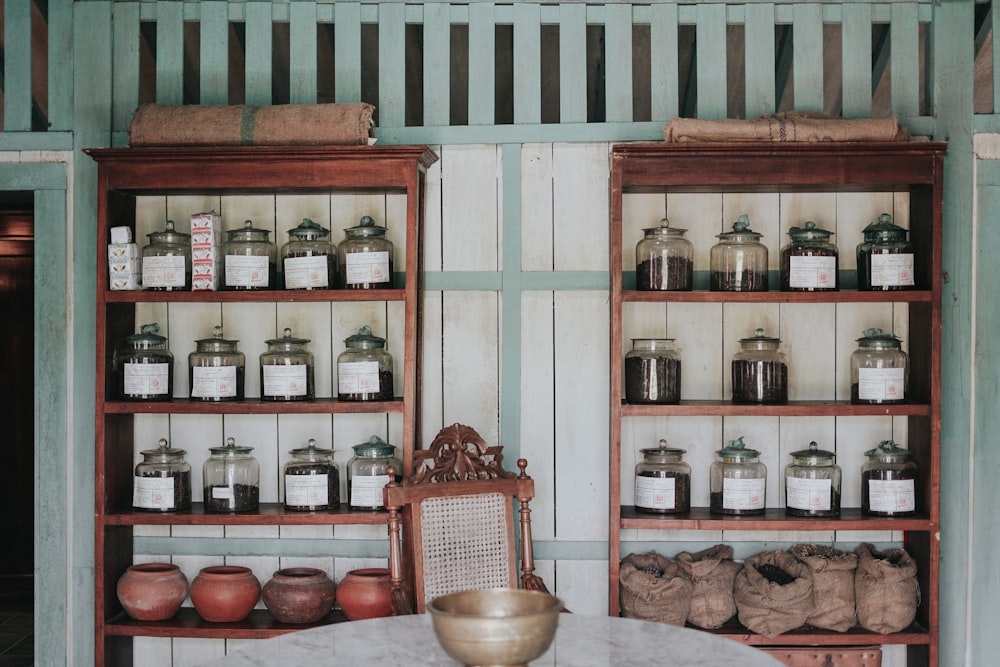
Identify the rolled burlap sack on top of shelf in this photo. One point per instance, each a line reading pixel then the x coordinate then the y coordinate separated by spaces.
pixel 246 125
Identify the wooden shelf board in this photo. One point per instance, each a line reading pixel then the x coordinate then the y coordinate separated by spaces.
pixel 187 623
pixel 251 406
pixel 700 518
pixel 253 296
pixel 840 296
pixel 267 514
pixel 810 636
pixel 713 408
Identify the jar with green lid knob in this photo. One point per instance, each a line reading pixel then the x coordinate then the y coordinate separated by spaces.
pixel 166 260
pixel 760 370
pixel 287 370
pixel 162 480
pixel 662 481
pixel 144 367
pixel 217 370
pixel 888 481
pixel 312 479
pixel 664 259
pixel 738 480
pixel 879 369
pixel 364 369
pixel 738 262
pixel 231 477
pixel 248 259
pixel 652 371
pixel 367 476
pixel 885 257
pixel 366 256
pixel 809 263
pixel 309 260
pixel 813 483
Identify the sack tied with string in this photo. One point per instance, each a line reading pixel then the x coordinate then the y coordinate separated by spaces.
pixel 653 589
pixel 886 587
pixel 712 573
pixel 833 585
pixel 773 593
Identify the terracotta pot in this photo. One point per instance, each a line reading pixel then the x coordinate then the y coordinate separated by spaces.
pixel 225 593
pixel 299 595
pixel 152 591
pixel 365 593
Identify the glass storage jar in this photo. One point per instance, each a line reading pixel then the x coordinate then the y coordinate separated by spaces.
pixel 885 257
pixel 662 481
pixel 366 260
pixel 145 367
pixel 162 480
pixel 652 371
pixel 809 263
pixel 248 259
pixel 217 369
pixel 738 262
pixel 312 479
pixel 738 480
pixel 364 369
pixel 309 260
pixel 166 260
pixel 367 476
pixel 664 259
pixel 286 370
pixel 232 479
pixel 888 481
pixel 879 369
pixel 813 483
pixel 760 371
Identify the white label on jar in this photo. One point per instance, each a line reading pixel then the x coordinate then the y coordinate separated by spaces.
pixel 896 495
pixel 812 271
pixel 891 269
pixel 357 377
pixel 306 490
pixel 223 493
pixel 213 381
pixel 743 494
pixel 247 271
pixel 366 267
pixel 808 494
pixel 153 493
pixel 655 493
pixel 285 380
pixel 367 491
pixel 880 384
pixel 163 271
pixel 306 272
pixel 146 379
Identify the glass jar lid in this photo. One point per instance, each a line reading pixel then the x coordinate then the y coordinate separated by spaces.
pixel 287 339
pixel 652 343
pixel 737 451
pixel 163 453
pixel 759 340
pixel 875 338
pixel 311 451
pixel 884 230
pixel 249 233
pixel 374 448
pixel 231 448
pixel 308 231
pixel 663 230
pixel 888 452
pixel 814 456
pixel 741 231
pixel 147 338
pixel 366 228
pixel 364 339
pixel 809 232
pixel 663 453
pixel 169 235
pixel 216 343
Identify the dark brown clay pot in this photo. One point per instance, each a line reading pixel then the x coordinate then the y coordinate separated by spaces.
pixel 299 595
pixel 225 593
pixel 152 591
pixel 365 593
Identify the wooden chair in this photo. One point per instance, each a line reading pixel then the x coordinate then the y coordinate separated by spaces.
pixel 454 520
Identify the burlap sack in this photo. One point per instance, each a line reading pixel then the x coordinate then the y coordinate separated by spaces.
pixel 886 587
pixel 712 573
pixel 833 586
pixel 771 607
pixel 653 589
pixel 788 126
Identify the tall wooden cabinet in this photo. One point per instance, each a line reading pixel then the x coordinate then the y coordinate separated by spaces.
pixel 124 177
pixel 911 175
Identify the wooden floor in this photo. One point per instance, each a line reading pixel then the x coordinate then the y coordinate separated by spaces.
pixel 17 634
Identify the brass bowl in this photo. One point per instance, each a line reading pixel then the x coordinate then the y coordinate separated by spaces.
pixel 496 627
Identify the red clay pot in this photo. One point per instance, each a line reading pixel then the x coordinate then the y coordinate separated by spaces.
pixel 225 593
pixel 365 593
pixel 299 595
pixel 152 591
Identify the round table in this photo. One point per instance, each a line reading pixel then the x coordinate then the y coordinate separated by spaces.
pixel 583 641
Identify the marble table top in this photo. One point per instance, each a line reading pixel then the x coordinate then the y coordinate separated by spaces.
pixel 581 641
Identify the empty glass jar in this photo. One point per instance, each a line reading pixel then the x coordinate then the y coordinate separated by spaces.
pixel 879 369
pixel 367 476
pixel 232 479
pixel 309 260
pixel 166 261
pixel 885 257
pixel 809 263
pixel 286 370
pixel 248 259
pixel 738 480
pixel 162 480
pixel 366 260
pixel 312 479
pixel 664 259
pixel 652 371
pixel 760 371
pixel 217 369
pixel 663 481
pixel 888 481
pixel 145 367
pixel 812 483
pixel 364 369
pixel 738 262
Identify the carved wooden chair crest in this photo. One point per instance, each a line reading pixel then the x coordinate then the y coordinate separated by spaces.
pixel 454 520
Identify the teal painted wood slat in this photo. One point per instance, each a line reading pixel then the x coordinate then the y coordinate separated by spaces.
pixel 258 68
pixel 437 64
pixel 572 63
pixel 17 66
pixel 710 52
pixel 664 66
pixel 527 55
pixel 214 53
pixel 759 40
pixel 807 48
pixel 905 53
pixel 126 70
pixel 482 63
pixel 995 33
pixel 170 53
pixel 302 59
pixel 618 60
pixel 392 65
pixel 60 23
pixel 347 52
pixel 857 61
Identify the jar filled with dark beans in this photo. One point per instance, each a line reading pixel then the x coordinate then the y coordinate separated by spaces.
pixel 286 370
pixel 885 257
pixel 809 263
pixel 652 371
pixel 366 256
pixel 813 483
pixel 364 369
pixel 309 260
pixel 738 481
pixel 879 369
pixel 166 260
pixel 888 481
pixel 144 367
pixel 162 480
pixel 217 370
pixel 312 479
pixel 232 479
pixel 663 259
pixel 738 262
pixel 760 371
pixel 367 474
pixel 249 259
pixel 662 481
